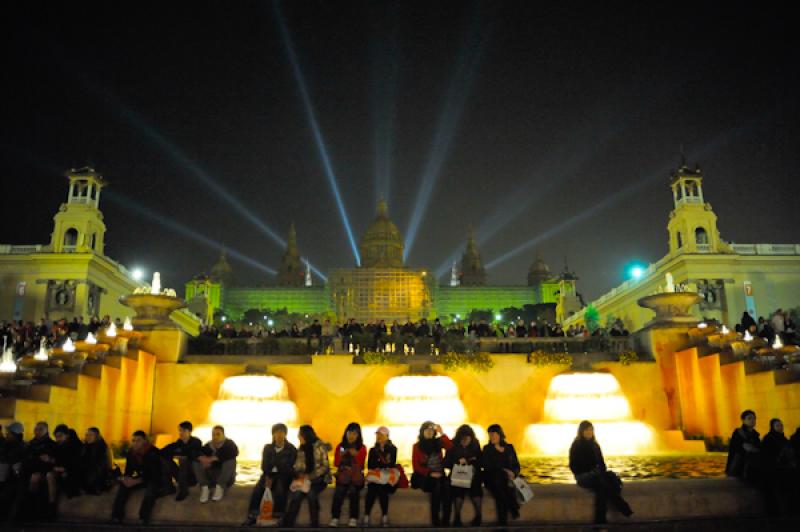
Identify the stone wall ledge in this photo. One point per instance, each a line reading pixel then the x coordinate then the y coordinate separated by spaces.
pixel 656 500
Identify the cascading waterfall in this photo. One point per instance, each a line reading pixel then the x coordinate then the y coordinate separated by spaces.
pixel 411 400
pixel 573 397
pixel 248 406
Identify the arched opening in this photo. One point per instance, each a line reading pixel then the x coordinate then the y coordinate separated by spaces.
pixel 700 236
pixel 680 240
pixel 70 239
pixel 94 241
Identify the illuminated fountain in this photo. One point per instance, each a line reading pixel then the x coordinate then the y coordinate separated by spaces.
pixel 247 406
pixel 409 401
pixel 573 397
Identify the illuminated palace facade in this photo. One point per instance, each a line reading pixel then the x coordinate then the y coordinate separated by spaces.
pixel 382 287
pixel 731 278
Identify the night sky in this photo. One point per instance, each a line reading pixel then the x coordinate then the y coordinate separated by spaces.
pixel 554 124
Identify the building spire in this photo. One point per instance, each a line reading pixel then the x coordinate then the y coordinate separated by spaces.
pixel 472 271
pixel 290 272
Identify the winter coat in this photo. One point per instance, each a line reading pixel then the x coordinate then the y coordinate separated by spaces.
pixel 378 459
pixel 191 449
pixel 493 461
pixel 422 462
pixel 320 471
pixel 282 461
pixel 743 463
pixel 228 451
pixel 146 465
pixel 585 456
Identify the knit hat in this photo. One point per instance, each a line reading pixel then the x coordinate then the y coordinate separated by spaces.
pixel 16 428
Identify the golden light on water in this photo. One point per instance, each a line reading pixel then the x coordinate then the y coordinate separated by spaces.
pixel 247 407
pixel 573 397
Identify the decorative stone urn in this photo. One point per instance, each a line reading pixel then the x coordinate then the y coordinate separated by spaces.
pixel 671 307
pixel 153 310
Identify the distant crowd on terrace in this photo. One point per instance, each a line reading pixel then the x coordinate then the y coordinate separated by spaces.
pixel 327 331
pixel 781 324
pixel 24 337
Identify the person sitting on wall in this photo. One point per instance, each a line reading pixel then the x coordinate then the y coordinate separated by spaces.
pixel 349 459
pixel 277 472
pixel 143 470
pixel 382 457
pixel 779 464
pixel 587 464
pixel 185 451
pixel 743 450
pixel 65 475
pixel 12 480
pixel 311 475
pixel 96 463
pixel 427 458
pixel 466 451
pixel 40 461
pixel 216 465
pixel 500 468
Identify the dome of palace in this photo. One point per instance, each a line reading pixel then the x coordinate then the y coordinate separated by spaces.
pixel 381 246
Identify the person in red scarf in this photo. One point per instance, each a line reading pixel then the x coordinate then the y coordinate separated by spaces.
pixel 142 471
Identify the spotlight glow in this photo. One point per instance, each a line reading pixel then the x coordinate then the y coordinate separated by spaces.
pixel 454 102
pixel 136 208
pixel 322 149
pixel 137 274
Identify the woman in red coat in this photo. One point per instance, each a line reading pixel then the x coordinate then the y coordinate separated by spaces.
pixel 349 460
pixel 428 461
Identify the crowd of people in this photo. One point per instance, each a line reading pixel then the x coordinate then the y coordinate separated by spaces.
pixel 780 324
pixel 772 465
pixel 25 336
pixel 34 474
pixel 328 332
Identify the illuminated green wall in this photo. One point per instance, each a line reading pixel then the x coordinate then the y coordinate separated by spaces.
pixel 305 300
pixel 452 300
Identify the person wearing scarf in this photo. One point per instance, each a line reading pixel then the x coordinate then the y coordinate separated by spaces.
pixel 143 470
pixel 312 465
pixel 587 464
pixel 216 465
pixel 427 457
pixel 349 459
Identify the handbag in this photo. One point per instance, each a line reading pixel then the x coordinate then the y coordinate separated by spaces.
pixel 388 475
pixel 265 517
pixel 301 483
pixel 461 476
pixel 523 490
pixel 349 475
pixel 402 481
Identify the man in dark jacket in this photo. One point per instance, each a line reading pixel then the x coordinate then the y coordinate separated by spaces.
pixel 142 470
pixel 277 471
pixel 12 481
pixel 185 450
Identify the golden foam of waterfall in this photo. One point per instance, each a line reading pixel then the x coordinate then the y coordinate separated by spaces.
pixel 573 397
